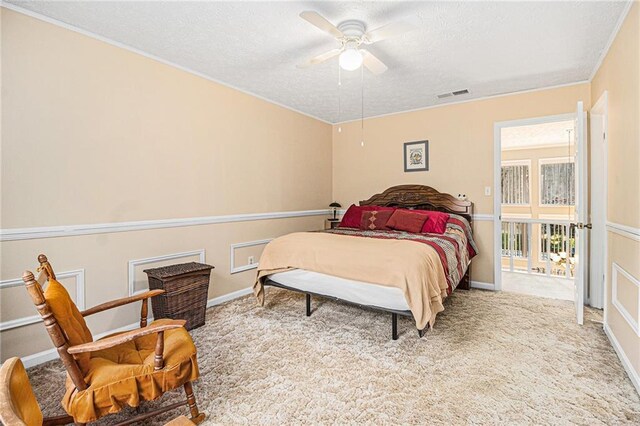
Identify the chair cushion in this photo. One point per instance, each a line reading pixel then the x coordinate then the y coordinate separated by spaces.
pixel 124 375
pixel 18 404
pixel 68 316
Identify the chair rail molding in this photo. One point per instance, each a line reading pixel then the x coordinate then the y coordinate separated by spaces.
pixel 624 230
pixel 628 316
pixel 78 274
pixel 132 264
pixel 15 234
pixel 233 269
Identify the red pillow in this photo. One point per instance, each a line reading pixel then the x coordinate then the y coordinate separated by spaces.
pixel 375 220
pixel 437 222
pixel 353 216
pixel 407 220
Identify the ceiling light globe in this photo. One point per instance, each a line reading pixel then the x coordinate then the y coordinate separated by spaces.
pixel 350 59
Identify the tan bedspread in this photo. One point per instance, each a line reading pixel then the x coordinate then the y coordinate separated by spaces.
pixel 412 267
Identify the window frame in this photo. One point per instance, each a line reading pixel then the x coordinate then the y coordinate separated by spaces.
pixel 523 162
pixel 553 160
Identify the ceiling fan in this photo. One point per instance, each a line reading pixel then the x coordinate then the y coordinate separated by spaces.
pixel 351 35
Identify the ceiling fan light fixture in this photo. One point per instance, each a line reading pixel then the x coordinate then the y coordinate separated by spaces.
pixel 350 59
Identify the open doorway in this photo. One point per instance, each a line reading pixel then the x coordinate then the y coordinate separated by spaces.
pixel 537 207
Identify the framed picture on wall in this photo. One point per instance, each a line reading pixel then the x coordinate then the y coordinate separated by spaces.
pixel 416 156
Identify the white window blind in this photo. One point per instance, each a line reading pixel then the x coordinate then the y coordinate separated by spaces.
pixel 557 184
pixel 515 184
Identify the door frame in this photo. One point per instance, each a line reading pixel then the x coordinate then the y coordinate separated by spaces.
pixel 597 291
pixel 497 186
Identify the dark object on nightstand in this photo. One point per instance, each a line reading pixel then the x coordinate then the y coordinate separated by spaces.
pixel 332 223
pixel 186 287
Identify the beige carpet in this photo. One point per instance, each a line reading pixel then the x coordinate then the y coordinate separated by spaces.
pixel 492 358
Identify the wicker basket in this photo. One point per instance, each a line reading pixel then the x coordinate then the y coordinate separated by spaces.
pixel 186 286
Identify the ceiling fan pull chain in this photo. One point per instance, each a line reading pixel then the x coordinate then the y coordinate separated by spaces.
pixel 362 106
pixel 339 98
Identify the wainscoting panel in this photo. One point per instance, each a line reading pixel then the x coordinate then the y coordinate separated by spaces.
pixel 77 274
pixel 631 318
pixel 233 269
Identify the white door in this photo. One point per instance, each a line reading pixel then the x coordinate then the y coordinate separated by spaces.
pixel 580 258
pixel 598 201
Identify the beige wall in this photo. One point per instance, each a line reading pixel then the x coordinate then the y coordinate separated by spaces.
pixel 619 75
pixel 93 133
pixel 460 152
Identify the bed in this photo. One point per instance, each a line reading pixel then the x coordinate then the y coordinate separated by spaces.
pixel 382 270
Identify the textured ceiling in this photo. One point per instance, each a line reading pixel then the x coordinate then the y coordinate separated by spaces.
pixel 488 47
pixel 538 135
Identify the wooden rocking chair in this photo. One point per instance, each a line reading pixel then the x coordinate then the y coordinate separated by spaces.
pixel 123 369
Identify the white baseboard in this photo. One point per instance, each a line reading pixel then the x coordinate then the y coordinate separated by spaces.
pixel 483 286
pixel 39 358
pixel 230 296
pixel 633 375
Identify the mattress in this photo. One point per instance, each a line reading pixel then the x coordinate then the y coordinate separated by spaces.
pixel 359 292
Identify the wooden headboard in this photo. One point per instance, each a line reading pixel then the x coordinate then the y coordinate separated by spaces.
pixel 421 197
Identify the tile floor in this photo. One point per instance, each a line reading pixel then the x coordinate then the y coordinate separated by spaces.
pixel 537 285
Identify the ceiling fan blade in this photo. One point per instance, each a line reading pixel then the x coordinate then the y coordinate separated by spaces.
pixel 314 18
pixel 320 58
pixel 392 29
pixel 372 63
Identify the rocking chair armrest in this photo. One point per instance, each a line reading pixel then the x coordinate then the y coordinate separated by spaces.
pixel 121 302
pixel 109 342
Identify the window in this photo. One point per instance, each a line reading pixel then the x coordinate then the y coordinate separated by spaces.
pixel 557 182
pixel 515 182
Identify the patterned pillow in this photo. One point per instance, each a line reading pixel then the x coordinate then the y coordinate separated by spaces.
pixel 353 215
pixel 407 220
pixel 375 219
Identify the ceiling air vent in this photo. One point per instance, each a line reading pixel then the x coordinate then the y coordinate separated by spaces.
pixel 454 93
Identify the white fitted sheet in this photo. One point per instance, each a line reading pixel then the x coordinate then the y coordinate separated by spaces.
pixel 352 291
